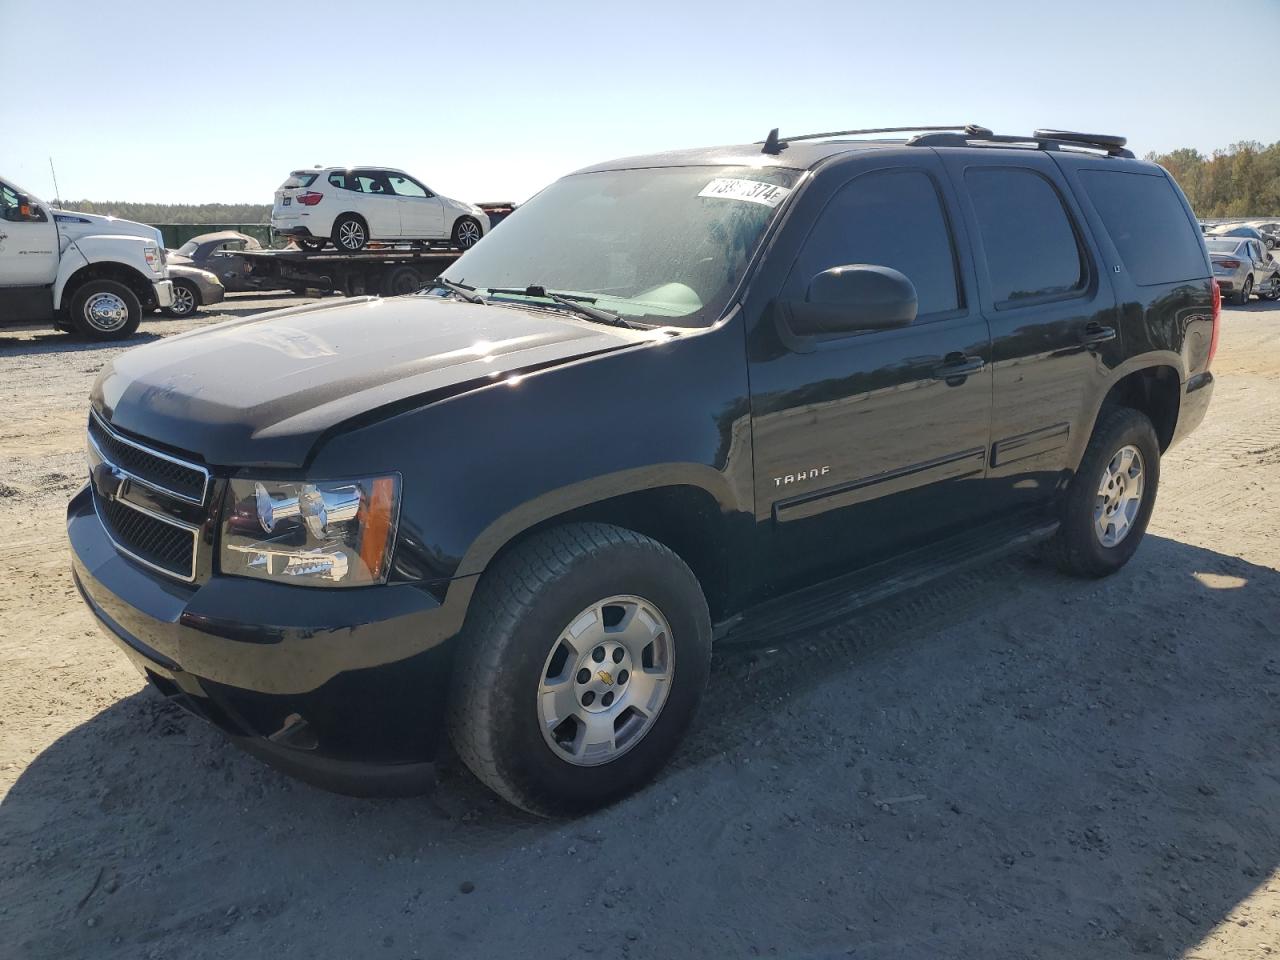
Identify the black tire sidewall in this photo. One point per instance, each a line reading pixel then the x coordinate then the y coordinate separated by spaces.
pixel 1119 428
pixel 86 329
pixel 551 784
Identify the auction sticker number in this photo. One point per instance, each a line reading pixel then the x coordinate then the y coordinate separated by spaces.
pixel 751 191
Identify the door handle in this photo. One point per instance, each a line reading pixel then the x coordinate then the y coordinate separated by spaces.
pixel 1095 333
pixel 958 366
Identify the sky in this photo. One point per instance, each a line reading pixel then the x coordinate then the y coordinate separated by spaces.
pixel 490 100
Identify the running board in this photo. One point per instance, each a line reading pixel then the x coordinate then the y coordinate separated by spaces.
pixel 825 603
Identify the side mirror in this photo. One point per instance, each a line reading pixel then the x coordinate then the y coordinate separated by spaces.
pixel 854 298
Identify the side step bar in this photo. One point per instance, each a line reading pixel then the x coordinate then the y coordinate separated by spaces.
pixel 826 603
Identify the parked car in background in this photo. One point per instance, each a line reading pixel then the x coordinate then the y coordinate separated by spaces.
pixel 193 288
pixel 1243 266
pixel 219 253
pixel 352 206
pixel 1270 230
pixel 1237 230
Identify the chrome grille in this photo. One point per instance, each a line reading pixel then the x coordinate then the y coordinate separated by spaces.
pixel 150 504
pixel 160 544
pixel 157 470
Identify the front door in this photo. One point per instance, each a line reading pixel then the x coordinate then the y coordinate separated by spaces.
pixel 421 212
pixel 1055 333
pixel 871 443
pixel 28 241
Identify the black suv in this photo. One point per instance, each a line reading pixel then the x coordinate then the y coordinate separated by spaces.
pixel 737 390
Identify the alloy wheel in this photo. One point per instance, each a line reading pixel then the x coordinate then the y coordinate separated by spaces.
pixel 351 235
pixel 468 234
pixel 184 301
pixel 1119 496
pixel 605 680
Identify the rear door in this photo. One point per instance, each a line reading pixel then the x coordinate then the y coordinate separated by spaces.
pixel 377 203
pixel 1054 330
pixel 863 444
pixel 421 212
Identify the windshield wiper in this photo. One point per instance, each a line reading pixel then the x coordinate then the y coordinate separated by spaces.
pixel 461 290
pixel 574 302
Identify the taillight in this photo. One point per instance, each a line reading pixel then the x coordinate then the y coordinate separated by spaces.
pixel 1229 264
pixel 310 198
pixel 1217 317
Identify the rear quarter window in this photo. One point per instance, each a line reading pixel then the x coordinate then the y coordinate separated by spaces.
pixel 1156 240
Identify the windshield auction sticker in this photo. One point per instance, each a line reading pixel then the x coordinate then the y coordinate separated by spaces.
pixel 752 191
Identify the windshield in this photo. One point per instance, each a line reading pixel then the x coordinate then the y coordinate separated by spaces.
pixel 187 249
pixel 663 245
pixel 1222 246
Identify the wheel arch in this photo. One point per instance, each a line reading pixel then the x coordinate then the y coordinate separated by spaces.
pixel 109 270
pixel 1155 391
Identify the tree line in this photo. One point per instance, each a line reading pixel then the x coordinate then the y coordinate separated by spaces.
pixel 152 213
pixel 1241 181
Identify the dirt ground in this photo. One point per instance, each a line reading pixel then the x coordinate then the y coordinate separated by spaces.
pixel 1005 764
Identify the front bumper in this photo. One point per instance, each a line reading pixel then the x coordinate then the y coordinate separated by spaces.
pixel 163 292
pixel 343 688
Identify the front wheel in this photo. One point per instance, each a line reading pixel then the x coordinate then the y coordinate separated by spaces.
pixel 1109 501
pixel 105 310
pixel 186 298
pixel 466 233
pixel 1273 289
pixel 584 657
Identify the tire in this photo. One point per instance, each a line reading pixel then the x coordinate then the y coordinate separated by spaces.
pixel 400 281
pixel 466 233
pixel 1273 289
pixel 186 299
pixel 514 639
pixel 1243 294
pixel 350 233
pixel 1078 548
pixel 310 244
pixel 105 310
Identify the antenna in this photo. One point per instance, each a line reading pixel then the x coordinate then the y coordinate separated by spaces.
pixel 56 190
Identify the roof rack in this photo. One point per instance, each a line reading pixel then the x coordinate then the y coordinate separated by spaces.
pixel 774 144
pixel 1110 144
pixel 963 135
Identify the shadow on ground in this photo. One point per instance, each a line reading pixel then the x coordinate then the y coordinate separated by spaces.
pixel 1008 764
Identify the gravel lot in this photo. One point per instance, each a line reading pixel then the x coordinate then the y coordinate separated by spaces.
pixel 1005 764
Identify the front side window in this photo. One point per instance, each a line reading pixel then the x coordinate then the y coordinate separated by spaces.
pixel 664 245
pixel 888 218
pixel 405 187
pixel 1149 226
pixel 1031 247
pixel 14 211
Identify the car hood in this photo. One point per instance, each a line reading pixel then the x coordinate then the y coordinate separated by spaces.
pixel 261 391
pixel 73 225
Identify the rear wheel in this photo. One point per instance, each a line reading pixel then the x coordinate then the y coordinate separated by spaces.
pixel 401 280
pixel 1109 501
pixel 582 663
pixel 466 233
pixel 186 298
pixel 350 233
pixel 1246 291
pixel 105 310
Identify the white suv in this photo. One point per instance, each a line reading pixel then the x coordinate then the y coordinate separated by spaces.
pixel 351 206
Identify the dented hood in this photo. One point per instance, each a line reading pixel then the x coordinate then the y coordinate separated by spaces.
pixel 261 391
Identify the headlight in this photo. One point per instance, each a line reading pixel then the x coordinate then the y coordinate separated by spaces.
pixel 155 260
pixel 326 534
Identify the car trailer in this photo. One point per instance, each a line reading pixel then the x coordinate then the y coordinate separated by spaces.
pixel 390 271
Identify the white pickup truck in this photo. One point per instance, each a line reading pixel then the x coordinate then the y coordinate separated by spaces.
pixel 94 275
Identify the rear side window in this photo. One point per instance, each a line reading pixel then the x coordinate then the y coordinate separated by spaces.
pixel 890 218
pixel 1147 222
pixel 1031 247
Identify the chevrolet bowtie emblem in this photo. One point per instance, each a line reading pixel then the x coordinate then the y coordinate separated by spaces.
pixel 605 677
